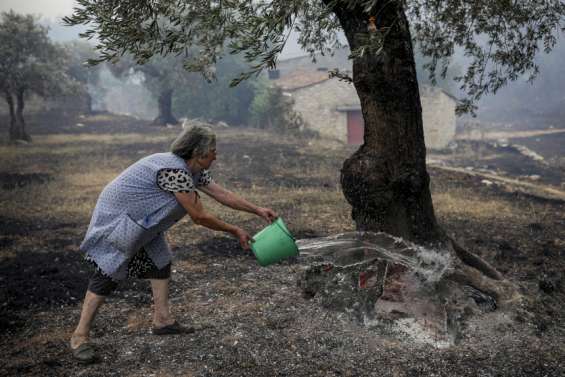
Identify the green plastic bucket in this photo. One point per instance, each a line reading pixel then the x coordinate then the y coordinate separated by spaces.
pixel 274 243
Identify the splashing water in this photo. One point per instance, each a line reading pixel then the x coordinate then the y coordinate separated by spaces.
pixel 422 319
pixel 353 248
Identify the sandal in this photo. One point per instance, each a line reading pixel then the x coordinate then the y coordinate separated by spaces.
pixel 172 329
pixel 84 353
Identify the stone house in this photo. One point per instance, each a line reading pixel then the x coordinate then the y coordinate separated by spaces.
pixel 332 108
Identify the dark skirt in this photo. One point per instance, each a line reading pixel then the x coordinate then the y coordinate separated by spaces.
pixel 140 267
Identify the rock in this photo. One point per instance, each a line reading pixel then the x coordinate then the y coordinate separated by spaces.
pixel 487 182
pixel 546 284
pixel 525 151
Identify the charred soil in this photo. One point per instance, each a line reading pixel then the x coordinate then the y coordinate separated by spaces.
pixel 251 321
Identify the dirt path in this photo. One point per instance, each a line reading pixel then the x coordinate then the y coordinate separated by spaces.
pixel 478 135
pixel 527 187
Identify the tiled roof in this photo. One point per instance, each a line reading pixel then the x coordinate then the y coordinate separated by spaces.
pixel 301 79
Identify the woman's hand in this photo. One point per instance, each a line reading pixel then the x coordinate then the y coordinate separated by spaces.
pixel 243 237
pixel 268 214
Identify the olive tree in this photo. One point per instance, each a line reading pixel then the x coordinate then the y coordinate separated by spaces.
pixel 163 76
pixel 182 93
pixel 385 180
pixel 29 63
pixel 213 99
pixel 79 52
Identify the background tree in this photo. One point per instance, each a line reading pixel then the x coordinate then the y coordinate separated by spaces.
pixel 79 53
pixel 385 180
pixel 163 76
pixel 177 91
pixel 213 99
pixel 271 109
pixel 194 95
pixel 29 63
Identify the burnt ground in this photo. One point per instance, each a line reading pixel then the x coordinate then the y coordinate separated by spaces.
pixel 254 321
pixel 511 159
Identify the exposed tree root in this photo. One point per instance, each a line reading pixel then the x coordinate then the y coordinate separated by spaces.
pixel 502 291
pixel 474 261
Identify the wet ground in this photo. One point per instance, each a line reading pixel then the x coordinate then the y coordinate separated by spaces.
pixel 254 321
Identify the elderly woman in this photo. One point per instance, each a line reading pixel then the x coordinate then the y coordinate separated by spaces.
pixel 126 233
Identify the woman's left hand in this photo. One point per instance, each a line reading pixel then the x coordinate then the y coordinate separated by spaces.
pixel 268 214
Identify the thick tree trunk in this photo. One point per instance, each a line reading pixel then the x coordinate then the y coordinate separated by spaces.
pixel 386 181
pixel 17 123
pixel 165 109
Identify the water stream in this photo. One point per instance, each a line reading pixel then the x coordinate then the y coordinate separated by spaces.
pixel 352 248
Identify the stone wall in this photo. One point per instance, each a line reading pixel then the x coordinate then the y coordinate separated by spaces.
pixel 317 104
pixel 438 113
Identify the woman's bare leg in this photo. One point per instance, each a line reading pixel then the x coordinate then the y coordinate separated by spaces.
pixel 90 306
pixel 161 313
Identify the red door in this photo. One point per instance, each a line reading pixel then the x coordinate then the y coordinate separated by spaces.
pixel 355 127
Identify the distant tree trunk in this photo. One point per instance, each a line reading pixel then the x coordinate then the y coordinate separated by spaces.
pixel 17 123
pixel 10 102
pixel 88 99
pixel 165 109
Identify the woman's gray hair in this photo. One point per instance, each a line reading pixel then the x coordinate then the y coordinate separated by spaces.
pixel 195 141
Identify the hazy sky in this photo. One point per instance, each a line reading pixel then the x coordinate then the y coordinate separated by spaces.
pixel 45 8
pixel 54 9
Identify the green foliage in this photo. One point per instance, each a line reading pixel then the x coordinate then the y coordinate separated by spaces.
pixel 500 38
pixel 272 109
pixel 214 99
pixel 29 61
pixel 257 29
pixel 85 75
pixel 262 109
pixel 195 96
pixel 78 53
pixel 446 82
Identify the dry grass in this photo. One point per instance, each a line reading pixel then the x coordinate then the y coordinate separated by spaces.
pixel 77 168
pixel 108 139
pixel 460 203
pixel 70 196
pixel 81 165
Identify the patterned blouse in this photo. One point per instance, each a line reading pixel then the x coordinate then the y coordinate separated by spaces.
pixel 178 180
